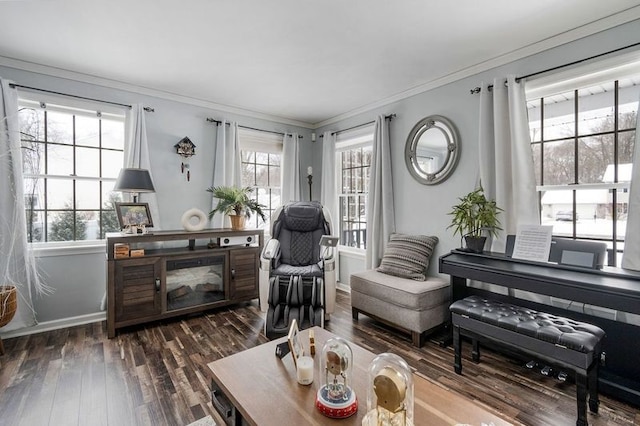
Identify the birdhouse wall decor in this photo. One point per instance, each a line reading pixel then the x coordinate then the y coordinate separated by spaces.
pixel 185 149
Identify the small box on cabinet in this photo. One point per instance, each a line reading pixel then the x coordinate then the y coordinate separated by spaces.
pixel 136 253
pixel 120 250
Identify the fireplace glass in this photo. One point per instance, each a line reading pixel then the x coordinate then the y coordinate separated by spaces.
pixel 195 281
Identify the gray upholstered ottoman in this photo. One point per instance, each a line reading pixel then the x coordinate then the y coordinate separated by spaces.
pixel 417 307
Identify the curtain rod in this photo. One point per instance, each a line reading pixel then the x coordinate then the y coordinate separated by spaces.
pixel 478 89
pixel 20 86
pixel 218 122
pixel 386 117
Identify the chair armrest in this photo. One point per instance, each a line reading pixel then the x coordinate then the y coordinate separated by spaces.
pixel 271 250
pixel 327 254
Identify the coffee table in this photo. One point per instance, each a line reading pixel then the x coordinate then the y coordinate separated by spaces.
pixel 263 390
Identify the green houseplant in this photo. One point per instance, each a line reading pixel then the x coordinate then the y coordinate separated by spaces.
pixel 473 215
pixel 236 203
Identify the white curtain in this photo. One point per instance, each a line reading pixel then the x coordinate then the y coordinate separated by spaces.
pixel 290 172
pixel 226 165
pixel 380 207
pixel 328 189
pixel 506 162
pixel 17 265
pixel 631 256
pixel 136 155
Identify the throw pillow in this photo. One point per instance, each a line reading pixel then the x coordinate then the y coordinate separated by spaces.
pixel 407 256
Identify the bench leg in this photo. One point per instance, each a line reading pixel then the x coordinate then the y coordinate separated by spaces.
pixel 354 314
pixel 475 352
pixel 581 396
pixel 457 349
pixel 592 374
pixel 417 339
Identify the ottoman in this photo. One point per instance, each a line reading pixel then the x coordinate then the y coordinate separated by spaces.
pixel 416 307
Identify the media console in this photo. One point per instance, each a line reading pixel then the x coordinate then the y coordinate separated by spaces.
pixel 612 288
pixel 164 274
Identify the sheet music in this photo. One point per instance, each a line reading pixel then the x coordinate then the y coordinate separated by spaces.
pixel 533 242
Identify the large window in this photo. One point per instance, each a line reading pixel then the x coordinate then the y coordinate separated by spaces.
pixel 71 157
pixel 354 165
pixel 261 165
pixel 582 143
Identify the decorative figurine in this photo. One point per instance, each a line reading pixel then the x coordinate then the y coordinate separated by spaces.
pixel 390 392
pixel 335 397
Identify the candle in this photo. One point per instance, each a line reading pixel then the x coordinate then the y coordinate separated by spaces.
pixel 305 370
pixel 309 171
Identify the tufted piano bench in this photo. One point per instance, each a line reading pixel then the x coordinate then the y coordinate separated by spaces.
pixel 563 342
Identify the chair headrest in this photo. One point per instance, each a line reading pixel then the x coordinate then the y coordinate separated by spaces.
pixel 303 216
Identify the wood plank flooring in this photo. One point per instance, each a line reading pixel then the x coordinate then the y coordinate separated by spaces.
pixel 157 374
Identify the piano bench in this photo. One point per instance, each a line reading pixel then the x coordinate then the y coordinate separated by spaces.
pixel 560 341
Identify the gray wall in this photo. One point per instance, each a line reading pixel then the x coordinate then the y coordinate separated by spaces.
pixel 79 279
pixel 423 209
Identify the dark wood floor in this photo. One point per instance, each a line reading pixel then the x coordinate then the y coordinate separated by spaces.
pixel 158 375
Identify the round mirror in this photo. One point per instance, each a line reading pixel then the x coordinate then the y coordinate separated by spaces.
pixel 431 152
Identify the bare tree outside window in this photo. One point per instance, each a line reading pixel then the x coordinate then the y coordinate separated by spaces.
pixel 70 160
pixel 582 147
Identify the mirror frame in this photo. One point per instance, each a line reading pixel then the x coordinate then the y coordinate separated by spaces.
pixel 437 123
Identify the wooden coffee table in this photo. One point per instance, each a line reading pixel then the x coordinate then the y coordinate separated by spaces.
pixel 263 390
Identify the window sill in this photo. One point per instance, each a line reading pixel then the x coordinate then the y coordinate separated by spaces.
pixel 67 248
pixel 355 253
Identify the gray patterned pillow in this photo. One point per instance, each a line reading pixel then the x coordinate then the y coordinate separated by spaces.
pixel 407 256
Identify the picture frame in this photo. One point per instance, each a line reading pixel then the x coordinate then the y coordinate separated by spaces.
pixel 134 214
pixel 295 345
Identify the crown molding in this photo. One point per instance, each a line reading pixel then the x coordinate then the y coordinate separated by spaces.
pixel 591 28
pixel 586 30
pixel 119 85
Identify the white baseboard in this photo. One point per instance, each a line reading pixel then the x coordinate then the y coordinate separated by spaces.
pixel 57 324
pixel 343 287
pixel 86 319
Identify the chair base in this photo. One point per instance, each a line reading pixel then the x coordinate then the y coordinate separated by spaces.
pixel 294 297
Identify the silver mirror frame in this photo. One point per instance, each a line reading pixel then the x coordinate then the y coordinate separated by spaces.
pixel 434 123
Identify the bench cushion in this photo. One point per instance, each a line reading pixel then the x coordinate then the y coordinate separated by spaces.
pixel 407 293
pixel 578 336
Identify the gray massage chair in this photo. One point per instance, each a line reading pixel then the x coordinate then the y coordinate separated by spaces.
pixel 297 274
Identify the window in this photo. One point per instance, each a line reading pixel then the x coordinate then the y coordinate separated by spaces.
pixel 582 143
pixel 71 157
pixel 353 151
pixel 261 155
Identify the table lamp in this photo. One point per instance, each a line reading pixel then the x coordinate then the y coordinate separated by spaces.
pixel 135 181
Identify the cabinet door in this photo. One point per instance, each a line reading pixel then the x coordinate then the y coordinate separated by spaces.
pixel 244 273
pixel 137 288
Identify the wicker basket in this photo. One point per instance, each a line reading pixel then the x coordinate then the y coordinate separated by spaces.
pixel 8 304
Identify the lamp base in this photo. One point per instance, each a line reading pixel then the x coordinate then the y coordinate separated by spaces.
pixel 336 409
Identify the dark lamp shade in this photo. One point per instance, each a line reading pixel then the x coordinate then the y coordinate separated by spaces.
pixel 134 180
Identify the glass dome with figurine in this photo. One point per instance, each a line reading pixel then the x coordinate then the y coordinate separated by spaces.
pixel 336 397
pixel 389 392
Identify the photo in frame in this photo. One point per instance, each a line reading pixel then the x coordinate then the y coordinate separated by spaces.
pixel 134 214
pixel 295 345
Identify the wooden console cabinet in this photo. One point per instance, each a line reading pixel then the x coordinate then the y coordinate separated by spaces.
pixel 179 273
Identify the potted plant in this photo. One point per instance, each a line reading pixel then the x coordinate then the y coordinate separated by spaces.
pixel 473 215
pixel 236 203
